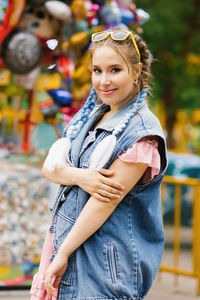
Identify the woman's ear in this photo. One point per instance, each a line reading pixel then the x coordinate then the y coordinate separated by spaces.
pixel 137 71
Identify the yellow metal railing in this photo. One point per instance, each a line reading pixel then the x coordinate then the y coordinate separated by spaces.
pixel 195 269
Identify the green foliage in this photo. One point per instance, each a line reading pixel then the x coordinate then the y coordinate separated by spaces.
pixel 172 33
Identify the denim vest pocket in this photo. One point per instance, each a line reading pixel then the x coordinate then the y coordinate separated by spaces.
pixel 66 216
pixel 112 263
pixel 64 221
pixel 68 209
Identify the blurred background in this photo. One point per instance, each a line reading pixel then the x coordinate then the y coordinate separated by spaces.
pixel 44 81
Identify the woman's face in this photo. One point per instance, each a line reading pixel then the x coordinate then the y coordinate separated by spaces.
pixel 112 77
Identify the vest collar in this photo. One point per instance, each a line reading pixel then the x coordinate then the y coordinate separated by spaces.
pixel 108 125
pixel 111 123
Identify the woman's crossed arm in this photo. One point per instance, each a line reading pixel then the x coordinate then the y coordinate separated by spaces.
pixel 91 218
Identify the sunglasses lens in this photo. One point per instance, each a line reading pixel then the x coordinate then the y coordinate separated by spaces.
pixel 99 36
pixel 119 35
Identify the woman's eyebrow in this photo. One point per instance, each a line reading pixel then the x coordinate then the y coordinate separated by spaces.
pixel 116 65
pixel 110 66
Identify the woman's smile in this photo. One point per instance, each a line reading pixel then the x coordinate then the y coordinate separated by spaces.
pixel 107 92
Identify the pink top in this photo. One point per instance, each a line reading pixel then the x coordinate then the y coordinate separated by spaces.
pixel 38 291
pixel 144 151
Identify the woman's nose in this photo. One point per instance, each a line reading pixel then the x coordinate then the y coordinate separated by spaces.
pixel 105 80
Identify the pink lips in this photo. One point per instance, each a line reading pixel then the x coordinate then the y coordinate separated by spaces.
pixel 107 92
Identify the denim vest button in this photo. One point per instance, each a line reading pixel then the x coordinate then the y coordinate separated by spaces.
pixel 51 228
pixel 51 258
pixel 63 197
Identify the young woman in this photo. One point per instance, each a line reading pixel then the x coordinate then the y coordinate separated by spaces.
pixel 107 220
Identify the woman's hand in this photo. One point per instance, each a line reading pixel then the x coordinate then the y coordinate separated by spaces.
pixel 54 273
pixel 97 183
pixel 99 186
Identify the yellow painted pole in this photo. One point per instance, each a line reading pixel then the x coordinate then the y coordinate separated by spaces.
pixel 195 272
pixel 177 180
pixel 196 235
pixel 162 196
pixel 177 271
pixel 177 223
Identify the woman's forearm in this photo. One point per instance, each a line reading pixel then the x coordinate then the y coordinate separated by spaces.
pixel 66 176
pixel 91 218
pixel 95 212
pixel 96 183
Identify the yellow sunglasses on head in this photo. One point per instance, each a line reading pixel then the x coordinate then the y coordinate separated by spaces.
pixel 118 35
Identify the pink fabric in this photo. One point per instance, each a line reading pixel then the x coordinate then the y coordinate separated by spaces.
pixel 38 291
pixel 144 151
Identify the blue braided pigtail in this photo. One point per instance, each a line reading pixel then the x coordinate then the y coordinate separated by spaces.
pixel 83 116
pixel 105 148
pixel 58 155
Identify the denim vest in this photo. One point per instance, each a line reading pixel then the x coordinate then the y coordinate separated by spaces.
pixel 121 259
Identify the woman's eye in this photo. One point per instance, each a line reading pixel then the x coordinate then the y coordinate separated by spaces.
pixel 97 71
pixel 115 70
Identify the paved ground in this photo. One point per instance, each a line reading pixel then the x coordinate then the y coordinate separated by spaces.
pixel 170 287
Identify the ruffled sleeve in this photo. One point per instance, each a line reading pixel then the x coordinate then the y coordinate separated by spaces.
pixel 144 151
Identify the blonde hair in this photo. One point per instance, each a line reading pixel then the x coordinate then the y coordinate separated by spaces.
pixel 128 52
